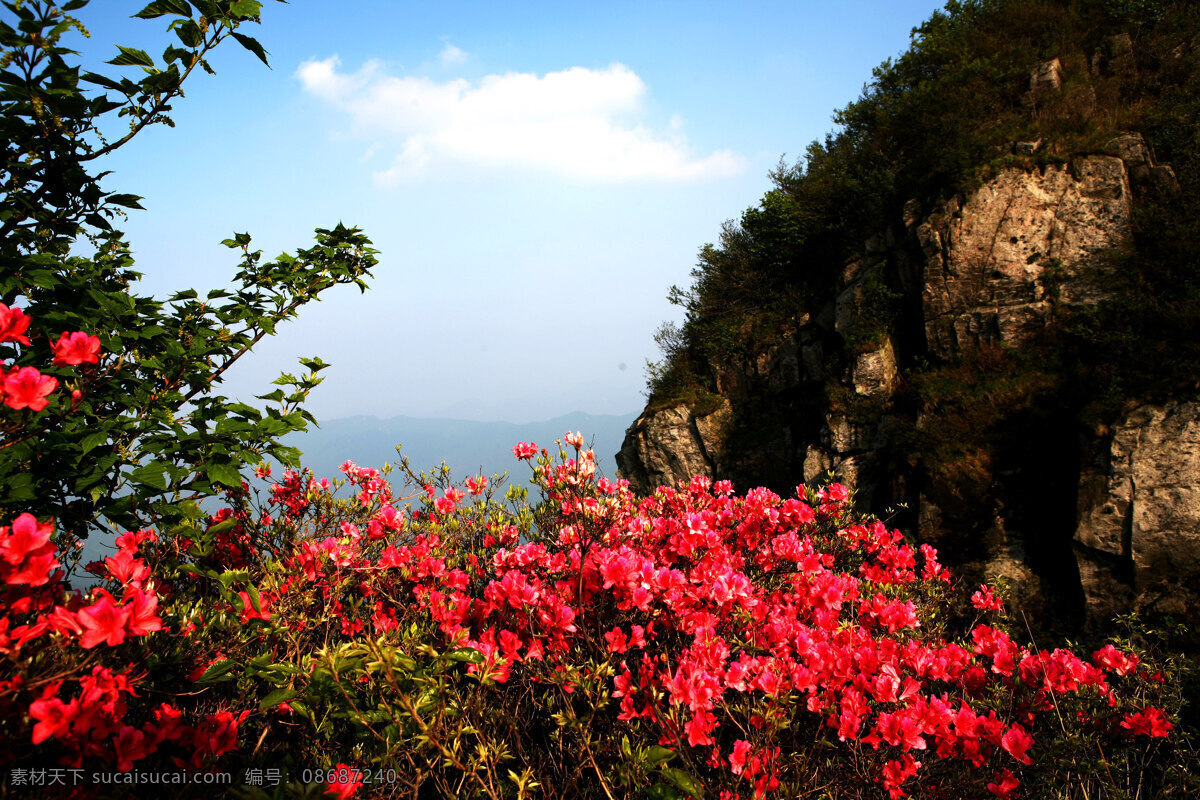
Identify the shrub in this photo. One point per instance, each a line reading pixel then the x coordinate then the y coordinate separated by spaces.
pixel 589 644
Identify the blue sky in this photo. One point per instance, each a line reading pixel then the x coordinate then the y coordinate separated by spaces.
pixel 535 176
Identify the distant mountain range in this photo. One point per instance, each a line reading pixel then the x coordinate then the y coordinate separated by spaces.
pixel 468 447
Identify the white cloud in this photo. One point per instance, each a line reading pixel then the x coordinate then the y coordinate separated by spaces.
pixel 577 122
pixel 452 56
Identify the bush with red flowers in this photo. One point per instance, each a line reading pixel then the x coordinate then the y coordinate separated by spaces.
pixel 456 642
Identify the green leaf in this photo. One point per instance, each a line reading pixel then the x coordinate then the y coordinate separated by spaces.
pixel 101 80
pixel 132 57
pixel 276 697
pixel 208 8
pixel 19 488
pixel 150 475
pixel 160 8
pixel 222 526
pixel 468 654
pixel 657 756
pixel 189 33
pixel 684 781
pixel 253 46
pixel 246 8
pixel 224 474
pixel 92 441
pixel 214 673
pixel 255 597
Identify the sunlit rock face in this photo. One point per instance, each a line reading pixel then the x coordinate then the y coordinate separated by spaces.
pixel 992 266
pixel 1138 537
pixel 668 444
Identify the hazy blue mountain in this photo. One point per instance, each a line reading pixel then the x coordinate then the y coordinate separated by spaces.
pixel 468 447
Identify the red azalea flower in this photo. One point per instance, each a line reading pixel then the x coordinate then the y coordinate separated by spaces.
pixel 126 569
pixel 13 324
pixel 27 536
pixel 1017 743
pixel 895 773
pixel 141 605
pixel 76 348
pixel 345 783
pixel 217 735
pixel 1005 784
pixel 248 612
pixel 131 745
pixel 27 547
pixel 27 388
pixel 54 717
pixel 103 621
pixel 985 600
pixel 1151 722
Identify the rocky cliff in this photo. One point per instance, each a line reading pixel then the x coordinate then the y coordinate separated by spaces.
pixel 935 377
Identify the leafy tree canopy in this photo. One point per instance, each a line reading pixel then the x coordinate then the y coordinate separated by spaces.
pixel 147 433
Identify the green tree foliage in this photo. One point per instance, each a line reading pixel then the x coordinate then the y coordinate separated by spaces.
pixel 148 432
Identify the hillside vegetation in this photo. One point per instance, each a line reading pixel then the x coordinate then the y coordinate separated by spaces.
pixel 936 122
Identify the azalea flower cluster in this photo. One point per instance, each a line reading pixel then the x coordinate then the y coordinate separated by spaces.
pixel 87 716
pixel 27 387
pixel 695 640
pixel 727 624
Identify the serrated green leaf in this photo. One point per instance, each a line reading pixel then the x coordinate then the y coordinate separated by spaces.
pixel 160 8
pixel 101 80
pixel 224 474
pixel 253 46
pixel 189 33
pixel 92 441
pixel 126 200
pixel 150 475
pixel 246 8
pixel 132 57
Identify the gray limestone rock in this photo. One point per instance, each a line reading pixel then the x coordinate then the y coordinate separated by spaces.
pixel 1047 76
pixel 1139 502
pixel 670 444
pixel 986 266
pixel 875 373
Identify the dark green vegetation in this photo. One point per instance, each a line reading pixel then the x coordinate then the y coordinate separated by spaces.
pixel 936 123
pixel 149 432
